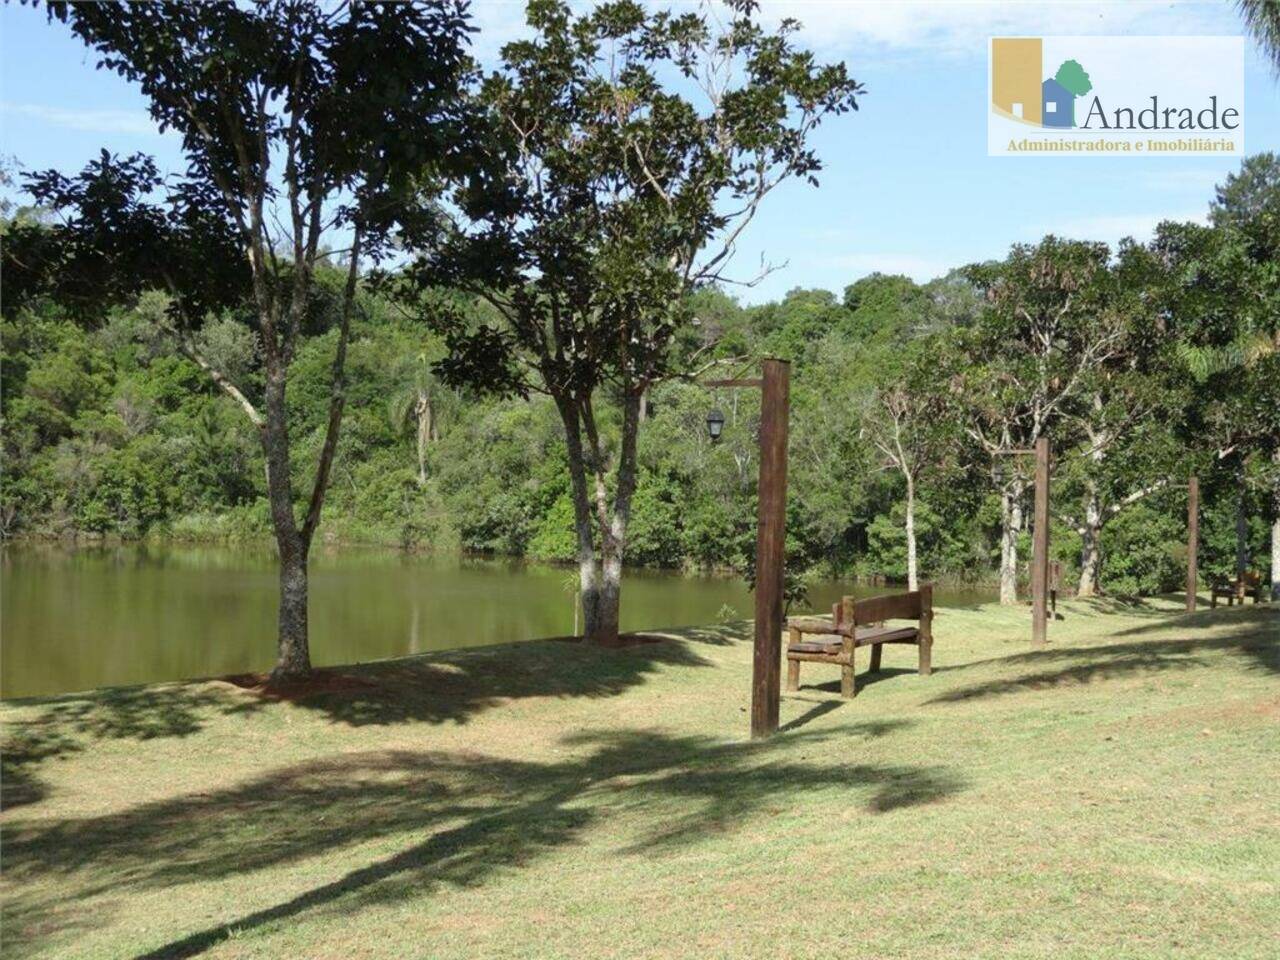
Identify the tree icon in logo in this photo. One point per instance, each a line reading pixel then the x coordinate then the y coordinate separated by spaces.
pixel 1059 94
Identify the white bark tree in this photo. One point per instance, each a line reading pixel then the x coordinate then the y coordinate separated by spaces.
pixel 1047 326
pixel 905 423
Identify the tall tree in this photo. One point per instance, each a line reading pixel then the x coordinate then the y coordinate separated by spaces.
pixel 632 149
pixel 906 423
pixel 418 398
pixel 1247 205
pixel 303 128
pixel 1128 448
pixel 1046 327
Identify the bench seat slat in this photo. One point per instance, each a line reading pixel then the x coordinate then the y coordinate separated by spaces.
pixel 864 637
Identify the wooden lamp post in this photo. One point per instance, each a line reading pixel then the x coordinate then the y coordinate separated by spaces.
pixel 1193 540
pixel 1040 548
pixel 1039 543
pixel 771 533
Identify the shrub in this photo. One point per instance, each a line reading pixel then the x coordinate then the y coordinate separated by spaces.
pixel 1143 553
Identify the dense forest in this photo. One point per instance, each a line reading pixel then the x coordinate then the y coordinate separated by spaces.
pixel 1142 364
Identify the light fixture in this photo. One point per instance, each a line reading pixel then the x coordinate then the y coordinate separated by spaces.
pixel 715 424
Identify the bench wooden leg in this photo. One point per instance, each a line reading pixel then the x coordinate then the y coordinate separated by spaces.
pixel 926 658
pixel 875 657
pixel 848 686
pixel 793 674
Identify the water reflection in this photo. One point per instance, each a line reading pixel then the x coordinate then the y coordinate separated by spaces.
pixel 80 618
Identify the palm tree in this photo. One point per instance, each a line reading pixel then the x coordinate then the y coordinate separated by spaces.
pixel 1262 19
pixel 417 399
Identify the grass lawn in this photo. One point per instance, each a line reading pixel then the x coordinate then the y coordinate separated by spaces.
pixel 1115 795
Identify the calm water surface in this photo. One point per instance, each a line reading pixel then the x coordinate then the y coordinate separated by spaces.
pixel 92 617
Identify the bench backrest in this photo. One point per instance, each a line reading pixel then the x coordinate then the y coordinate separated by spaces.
pixel 1251 578
pixel 916 605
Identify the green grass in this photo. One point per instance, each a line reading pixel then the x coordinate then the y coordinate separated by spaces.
pixel 1114 795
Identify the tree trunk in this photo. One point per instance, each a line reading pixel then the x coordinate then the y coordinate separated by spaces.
pixel 615 520
pixel 293 658
pixel 1275 526
pixel 913 580
pixel 1275 552
pixel 1090 535
pixel 423 410
pixel 600 572
pixel 584 531
pixel 1010 527
pixel 1242 527
pixel 609 602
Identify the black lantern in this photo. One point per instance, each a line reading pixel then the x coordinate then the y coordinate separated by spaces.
pixel 715 424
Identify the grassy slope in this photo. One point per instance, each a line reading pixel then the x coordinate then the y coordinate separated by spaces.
pixel 1115 795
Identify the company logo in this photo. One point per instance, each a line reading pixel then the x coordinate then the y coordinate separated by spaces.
pixel 1115 95
pixel 1019 93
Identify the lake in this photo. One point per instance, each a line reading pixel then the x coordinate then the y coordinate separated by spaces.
pixel 74 619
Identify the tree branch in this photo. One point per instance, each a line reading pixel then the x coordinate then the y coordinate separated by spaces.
pixel 337 396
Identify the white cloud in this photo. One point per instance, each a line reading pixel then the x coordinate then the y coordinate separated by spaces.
pixel 130 122
pixel 875 29
pixel 961 27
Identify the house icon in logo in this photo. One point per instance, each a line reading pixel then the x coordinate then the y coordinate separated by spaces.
pixel 1058 94
pixel 1019 93
pixel 1057 105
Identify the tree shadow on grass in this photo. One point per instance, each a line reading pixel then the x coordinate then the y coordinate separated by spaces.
pixel 454 686
pixel 719 635
pixel 482 816
pixel 864 679
pixel 51 728
pixel 819 709
pixel 433 688
pixel 1262 617
pixel 1258 646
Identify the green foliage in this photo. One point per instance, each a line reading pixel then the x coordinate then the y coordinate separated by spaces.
pixel 1072 76
pixel 653 537
pixel 1144 552
pixel 941 551
pixel 105 430
pixel 554 537
pixel 885 307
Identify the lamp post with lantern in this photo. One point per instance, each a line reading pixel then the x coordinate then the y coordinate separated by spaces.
pixel 771 531
pixel 715 424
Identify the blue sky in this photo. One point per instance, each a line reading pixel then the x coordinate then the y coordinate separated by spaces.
pixel 907 187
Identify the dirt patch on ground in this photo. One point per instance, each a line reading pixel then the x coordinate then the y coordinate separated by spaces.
pixel 320 682
pixel 1218 716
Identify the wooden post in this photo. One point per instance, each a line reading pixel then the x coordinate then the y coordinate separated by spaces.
pixel 770 540
pixel 1193 541
pixel 1040 547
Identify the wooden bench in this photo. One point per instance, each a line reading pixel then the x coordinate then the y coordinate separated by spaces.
pixel 860 623
pixel 1233 590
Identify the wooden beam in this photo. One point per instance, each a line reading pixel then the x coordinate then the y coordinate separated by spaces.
pixel 1193 541
pixel 1040 548
pixel 766 671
